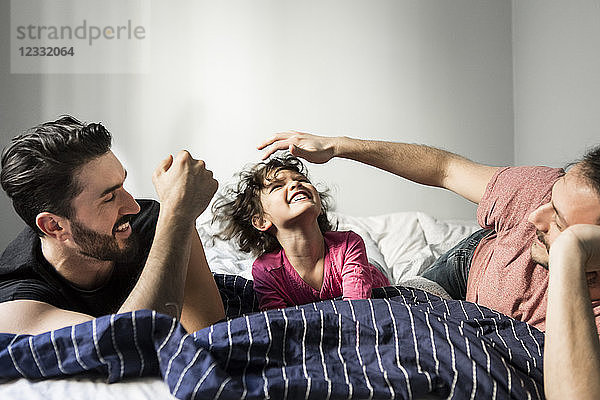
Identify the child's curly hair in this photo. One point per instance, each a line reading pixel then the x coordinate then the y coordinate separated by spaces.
pixel 240 202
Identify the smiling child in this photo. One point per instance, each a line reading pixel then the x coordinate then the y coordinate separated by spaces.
pixel 276 213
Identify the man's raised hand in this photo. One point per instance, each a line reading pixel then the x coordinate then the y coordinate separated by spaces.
pixel 315 149
pixel 582 241
pixel 184 185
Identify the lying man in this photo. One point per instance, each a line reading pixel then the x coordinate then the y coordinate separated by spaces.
pixel 522 211
pixel 90 249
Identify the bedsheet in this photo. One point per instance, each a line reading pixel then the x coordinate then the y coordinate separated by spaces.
pixel 404 343
pixel 403 243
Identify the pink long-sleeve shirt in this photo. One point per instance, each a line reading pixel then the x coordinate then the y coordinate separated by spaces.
pixel 346 273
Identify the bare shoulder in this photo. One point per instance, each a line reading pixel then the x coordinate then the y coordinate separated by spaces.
pixel 33 317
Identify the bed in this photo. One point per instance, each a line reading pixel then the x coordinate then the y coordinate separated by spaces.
pixel 405 342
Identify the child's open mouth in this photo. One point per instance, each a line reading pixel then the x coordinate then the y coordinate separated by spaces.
pixel 299 196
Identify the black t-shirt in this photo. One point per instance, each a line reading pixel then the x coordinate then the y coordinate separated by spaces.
pixel 26 275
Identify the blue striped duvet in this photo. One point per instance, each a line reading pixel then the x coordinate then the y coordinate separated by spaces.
pixel 403 344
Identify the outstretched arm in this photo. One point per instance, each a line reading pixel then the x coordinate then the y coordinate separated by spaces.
pixel 572 348
pixel 418 163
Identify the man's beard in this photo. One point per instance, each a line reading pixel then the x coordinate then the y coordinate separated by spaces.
pixel 104 247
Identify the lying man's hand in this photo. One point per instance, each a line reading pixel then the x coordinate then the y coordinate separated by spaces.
pixel 184 185
pixel 572 348
pixel 315 149
pixel 581 241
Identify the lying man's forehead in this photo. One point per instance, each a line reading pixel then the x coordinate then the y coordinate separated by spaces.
pixel 575 198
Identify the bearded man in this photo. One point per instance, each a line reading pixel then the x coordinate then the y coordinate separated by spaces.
pixel 91 249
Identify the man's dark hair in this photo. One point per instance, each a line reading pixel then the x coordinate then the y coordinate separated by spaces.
pixel 589 167
pixel 39 167
pixel 240 202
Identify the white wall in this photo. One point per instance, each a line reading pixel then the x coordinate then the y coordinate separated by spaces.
pixel 20 107
pixel 227 74
pixel 556 50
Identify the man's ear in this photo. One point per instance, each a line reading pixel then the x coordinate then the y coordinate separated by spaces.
pixel 261 223
pixel 53 226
